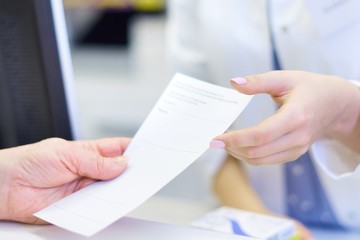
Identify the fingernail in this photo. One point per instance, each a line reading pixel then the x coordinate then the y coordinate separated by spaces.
pixel 121 161
pixel 239 81
pixel 217 144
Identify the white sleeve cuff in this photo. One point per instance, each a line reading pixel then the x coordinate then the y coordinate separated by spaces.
pixel 355 82
pixel 335 159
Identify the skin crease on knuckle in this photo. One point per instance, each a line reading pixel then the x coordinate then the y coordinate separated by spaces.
pixel 276 158
pixel 260 137
pixel 250 155
pixel 251 161
pixel 100 166
pixel 251 152
pixel 233 140
pixel 237 140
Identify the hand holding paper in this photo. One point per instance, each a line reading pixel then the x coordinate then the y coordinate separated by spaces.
pixel 177 131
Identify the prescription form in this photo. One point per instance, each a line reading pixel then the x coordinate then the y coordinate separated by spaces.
pixel 187 116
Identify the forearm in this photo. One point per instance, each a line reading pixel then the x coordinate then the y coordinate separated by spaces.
pixel 5 176
pixel 233 188
pixel 9 159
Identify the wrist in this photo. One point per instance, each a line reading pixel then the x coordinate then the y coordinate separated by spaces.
pixel 6 161
pixel 347 119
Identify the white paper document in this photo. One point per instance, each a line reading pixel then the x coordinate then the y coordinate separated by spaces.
pixel 188 115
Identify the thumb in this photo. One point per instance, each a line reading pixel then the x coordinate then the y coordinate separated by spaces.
pixel 275 83
pixel 101 159
pixel 95 166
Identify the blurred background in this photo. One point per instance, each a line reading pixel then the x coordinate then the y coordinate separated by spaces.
pixel 118 51
pixel 119 58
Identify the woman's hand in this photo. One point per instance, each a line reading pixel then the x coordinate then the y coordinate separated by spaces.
pixel 311 106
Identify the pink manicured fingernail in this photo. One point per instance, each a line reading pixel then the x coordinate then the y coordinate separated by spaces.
pixel 239 81
pixel 217 144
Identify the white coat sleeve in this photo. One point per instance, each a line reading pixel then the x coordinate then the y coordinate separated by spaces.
pixel 184 42
pixel 336 159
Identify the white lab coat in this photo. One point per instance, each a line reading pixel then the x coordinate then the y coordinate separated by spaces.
pixel 216 40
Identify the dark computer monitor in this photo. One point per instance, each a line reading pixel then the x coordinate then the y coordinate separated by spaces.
pixel 36 92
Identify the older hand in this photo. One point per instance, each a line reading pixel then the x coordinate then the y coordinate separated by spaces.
pixel 312 106
pixel 36 175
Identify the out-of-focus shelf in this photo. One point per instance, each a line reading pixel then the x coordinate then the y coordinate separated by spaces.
pixel 137 5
